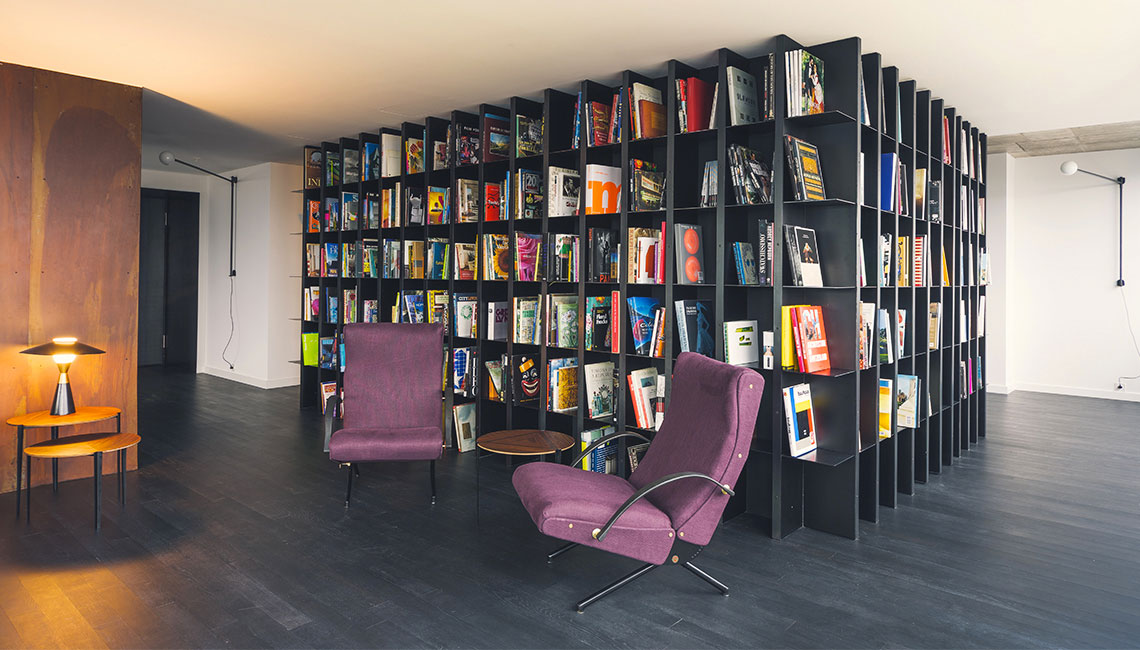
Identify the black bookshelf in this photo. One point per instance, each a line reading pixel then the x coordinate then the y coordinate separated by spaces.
pixel 854 472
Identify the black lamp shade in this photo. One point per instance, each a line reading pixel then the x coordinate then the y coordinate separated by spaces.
pixel 54 347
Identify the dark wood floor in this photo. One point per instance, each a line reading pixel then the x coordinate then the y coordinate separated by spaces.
pixel 235 535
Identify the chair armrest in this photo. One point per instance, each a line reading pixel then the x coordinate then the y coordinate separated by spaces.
pixel 600 533
pixel 332 423
pixel 601 441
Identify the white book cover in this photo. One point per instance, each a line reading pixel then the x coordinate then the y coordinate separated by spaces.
pixel 741 347
pixel 599 389
pixel 862 264
pixel 934 327
pixel 391 154
pixel 498 320
pixel 963 325
pixel 800 419
pixel 564 188
pixel 808 250
pixel 603 189
pixel 646 260
pixel 742 105
pixel 981 316
pixel 642 92
pixel 659 403
pixel 643 383
pixel 465 307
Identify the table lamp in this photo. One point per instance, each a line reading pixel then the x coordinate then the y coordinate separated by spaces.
pixel 63 350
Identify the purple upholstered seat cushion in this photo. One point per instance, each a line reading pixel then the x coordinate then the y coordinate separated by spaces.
pixel 366 445
pixel 708 429
pixel 569 503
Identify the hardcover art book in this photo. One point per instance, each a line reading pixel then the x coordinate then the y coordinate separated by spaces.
pixel 351 166
pixel 694 326
pixel 414 155
pixel 800 419
pixel 528 136
pixel 642 311
pixel 371 161
pixel 805 168
pixel 803 255
pixel 599 389
pixel 565 189
pixel 313 163
pixel 690 254
pixel 496 137
pixel 906 401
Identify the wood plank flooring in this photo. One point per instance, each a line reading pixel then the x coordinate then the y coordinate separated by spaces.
pixel 235 535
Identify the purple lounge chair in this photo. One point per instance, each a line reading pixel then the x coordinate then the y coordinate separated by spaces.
pixel 669 508
pixel 393 384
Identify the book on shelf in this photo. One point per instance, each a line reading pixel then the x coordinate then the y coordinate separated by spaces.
pixel 963 322
pixel 642 312
pixel 603 189
pixel 642 391
pixel 980 323
pixel 411 306
pixel 810 337
pixel 562 385
pixel 437 307
pixel 562 316
pixel 690 254
pixel 709 185
pixel 332 168
pixel 467 201
pixel 918 261
pixel 751 176
pixel 350 204
pixel 327 353
pixel 526 202
pixel 349 261
pixel 889 180
pixel 560 259
pixel 934 326
pixel 466 308
pixel 563 184
pixel 464 362
pixel 371 311
pixel 525 381
pixel 598 124
pixel 327 390
pixel 920 183
pixel 906 401
pixel 603 459
pixel 599 378
pixel 496 256
pixel 900 331
pixel 800 419
pixel 527 247
pixel 390 155
pixel 310 303
pixel 496 138
pixel 886 337
pixel 351 166
pixel 903 199
pixel 806 171
pixel 492 202
pixel 860 264
pixel 526 320
pixel 528 136
pixel 332 213
pixel 636 454
pixel 743 107
pixel 440 154
pixel 391 264
pixel 694 326
pixel 864 114
pixel 316 216
pixel 498 320
pixel 330 260
pixel 602 259
pixel 414 260
pixel 934 201
pixel 414 155
pixel 768 350
pixel 463 417
pixel 642 255
pixel 804 73
pixel 646 186
pixel 309 346
pixel 313 260
pixel 438 205
pixel 597 315
pixel 647 112
pixel 886 255
pixel 313 161
pixel 741 343
pixel 886 405
pixel 745 261
pixel 694 104
pixel 867 331
pixel 466 144
pixel 417 205
pixel 494 383
pixel 902 268
pixel 803 256
pixel 370 215
pixel 349 306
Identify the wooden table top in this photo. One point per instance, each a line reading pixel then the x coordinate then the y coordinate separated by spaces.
pixel 525 442
pixel 82 415
pixel 83 445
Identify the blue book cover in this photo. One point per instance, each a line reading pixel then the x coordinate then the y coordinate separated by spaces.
pixel 889 167
pixel 641 312
pixel 371 160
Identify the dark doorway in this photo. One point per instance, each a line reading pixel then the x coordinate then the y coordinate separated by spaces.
pixel 168 279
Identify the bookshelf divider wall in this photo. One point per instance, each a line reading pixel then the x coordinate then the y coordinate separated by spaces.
pixel 854 470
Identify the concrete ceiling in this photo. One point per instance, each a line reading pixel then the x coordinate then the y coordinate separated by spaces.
pixel 233 83
pixel 1102 137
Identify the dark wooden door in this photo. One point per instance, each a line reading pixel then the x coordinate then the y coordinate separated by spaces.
pixel 168 278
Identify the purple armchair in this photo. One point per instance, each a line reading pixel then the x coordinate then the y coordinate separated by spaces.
pixel 393 384
pixel 669 508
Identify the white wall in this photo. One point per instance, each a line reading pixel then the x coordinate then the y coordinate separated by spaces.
pixel 265 297
pixel 1000 321
pixel 1066 331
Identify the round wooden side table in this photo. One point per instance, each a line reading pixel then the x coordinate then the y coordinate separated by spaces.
pixel 520 442
pixel 87 444
pixel 44 419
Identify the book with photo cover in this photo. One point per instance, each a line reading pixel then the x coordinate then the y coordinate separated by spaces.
pixel 467 144
pixel 524 379
pixel 528 139
pixel 313 163
pixel 464 418
pixel 906 401
pixel 414 155
pixel 599 389
pixel 694 326
pixel 805 168
pixel 642 311
pixel 351 166
pixel 496 138
pixel 690 254
pixel 803 256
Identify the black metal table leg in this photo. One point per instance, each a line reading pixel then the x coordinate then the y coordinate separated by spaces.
pixel 98 485
pixel 122 476
pixel 20 466
pixel 55 464
pixel 28 491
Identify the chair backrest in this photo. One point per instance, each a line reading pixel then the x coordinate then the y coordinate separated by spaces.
pixel 708 429
pixel 393 375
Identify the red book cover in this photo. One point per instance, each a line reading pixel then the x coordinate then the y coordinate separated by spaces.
pixel 315 216
pixel 492 211
pixel 814 338
pixel 615 119
pixel 698 104
pixel 651 116
pixel 599 124
pixel 615 329
pixel 795 315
